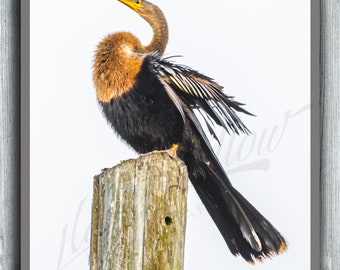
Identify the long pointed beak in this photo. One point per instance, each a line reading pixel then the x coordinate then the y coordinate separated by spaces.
pixel 131 4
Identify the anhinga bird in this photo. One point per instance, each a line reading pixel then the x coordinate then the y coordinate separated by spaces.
pixel 150 103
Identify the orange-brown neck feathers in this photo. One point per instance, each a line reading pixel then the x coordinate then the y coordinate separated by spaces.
pixel 116 65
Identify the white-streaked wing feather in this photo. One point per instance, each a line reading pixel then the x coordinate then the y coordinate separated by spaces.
pixel 200 91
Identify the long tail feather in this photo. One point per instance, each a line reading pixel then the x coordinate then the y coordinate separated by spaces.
pixel 245 230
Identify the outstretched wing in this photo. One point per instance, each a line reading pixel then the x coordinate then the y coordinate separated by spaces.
pixel 200 92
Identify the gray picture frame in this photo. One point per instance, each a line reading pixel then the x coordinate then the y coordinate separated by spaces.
pixel 14 134
pixel 329 135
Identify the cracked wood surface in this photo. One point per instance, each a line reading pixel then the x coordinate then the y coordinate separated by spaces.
pixel 139 215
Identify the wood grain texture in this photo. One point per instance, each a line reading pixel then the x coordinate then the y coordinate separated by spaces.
pixel 9 135
pixel 330 135
pixel 139 215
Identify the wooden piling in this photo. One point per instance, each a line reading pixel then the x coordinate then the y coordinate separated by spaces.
pixel 139 215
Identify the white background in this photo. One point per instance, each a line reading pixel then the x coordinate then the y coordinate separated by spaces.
pixel 259 50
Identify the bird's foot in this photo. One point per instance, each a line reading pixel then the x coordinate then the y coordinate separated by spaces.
pixel 172 152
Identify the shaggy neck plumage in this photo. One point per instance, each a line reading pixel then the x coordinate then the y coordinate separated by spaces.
pixel 159 26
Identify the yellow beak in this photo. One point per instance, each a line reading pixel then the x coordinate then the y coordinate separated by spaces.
pixel 133 4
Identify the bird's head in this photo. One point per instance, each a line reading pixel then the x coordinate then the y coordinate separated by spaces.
pixel 144 8
pixel 136 5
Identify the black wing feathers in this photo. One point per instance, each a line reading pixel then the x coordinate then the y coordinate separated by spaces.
pixel 200 92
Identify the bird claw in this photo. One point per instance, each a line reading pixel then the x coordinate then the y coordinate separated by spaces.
pixel 172 152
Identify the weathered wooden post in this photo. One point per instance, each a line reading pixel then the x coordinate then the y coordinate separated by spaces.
pixel 139 215
pixel 330 135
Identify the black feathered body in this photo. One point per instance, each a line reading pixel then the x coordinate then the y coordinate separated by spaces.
pixel 145 117
pixel 148 118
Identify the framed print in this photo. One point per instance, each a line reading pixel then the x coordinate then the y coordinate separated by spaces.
pixel 263 54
